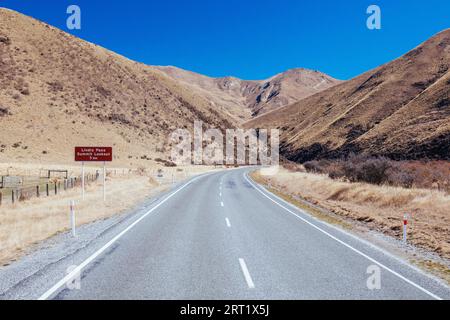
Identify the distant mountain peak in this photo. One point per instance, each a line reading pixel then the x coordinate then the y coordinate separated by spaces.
pixel 249 98
pixel 400 110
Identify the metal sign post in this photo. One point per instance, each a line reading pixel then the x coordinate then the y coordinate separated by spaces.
pixel 104 180
pixel 82 180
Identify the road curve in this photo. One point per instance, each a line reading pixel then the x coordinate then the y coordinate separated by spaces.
pixel 221 236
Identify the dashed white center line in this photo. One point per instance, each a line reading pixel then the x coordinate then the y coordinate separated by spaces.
pixel 228 222
pixel 221 203
pixel 247 276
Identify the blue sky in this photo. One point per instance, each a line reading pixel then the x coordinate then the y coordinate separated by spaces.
pixel 250 39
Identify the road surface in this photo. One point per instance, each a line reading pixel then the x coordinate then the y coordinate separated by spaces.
pixel 220 236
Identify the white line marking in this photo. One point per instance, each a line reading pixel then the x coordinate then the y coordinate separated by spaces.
pixel 80 267
pixel 228 222
pixel 221 203
pixel 344 243
pixel 247 276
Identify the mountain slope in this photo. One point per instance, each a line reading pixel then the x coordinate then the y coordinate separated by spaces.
pixel 400 110
pixel 57 91
pixel 247 98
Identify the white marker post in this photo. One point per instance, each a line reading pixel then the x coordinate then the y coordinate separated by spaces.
pixel 72 218
pixel 82 180
pixel 104 180
pixel 405 224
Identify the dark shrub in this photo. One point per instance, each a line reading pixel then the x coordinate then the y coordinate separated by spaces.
pixel 312 166
pixel 335 170
pixel 316 166
pixel 169 164
pixel 380 170
pixel 3 112
pixel 25 91
pixel 366 169
pixel 398 176
pixel 55 86
pixel 374 170
pixel 5 40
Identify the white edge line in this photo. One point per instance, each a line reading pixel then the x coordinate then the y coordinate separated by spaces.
pixel 247 276
pixel 81 266
pixel 345 244
pixel 228 222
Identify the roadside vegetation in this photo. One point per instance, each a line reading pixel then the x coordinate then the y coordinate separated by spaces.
pixel 25 223
pixel 379 205
pixel 28 221
pixel 383 171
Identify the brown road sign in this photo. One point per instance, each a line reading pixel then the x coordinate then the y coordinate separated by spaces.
pixel 93 154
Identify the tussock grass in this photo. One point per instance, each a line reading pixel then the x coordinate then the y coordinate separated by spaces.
pixel 378 207
pixel 26 223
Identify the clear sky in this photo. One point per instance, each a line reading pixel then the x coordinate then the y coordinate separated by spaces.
pixel 250 39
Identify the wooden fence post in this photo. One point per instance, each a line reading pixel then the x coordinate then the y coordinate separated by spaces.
pixel 56 188
pixel 1 196
pixel 12 196
pixel 37 191
pixel 46 187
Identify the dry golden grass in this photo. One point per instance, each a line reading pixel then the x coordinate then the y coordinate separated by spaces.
pixel 379 207
pixel 25 224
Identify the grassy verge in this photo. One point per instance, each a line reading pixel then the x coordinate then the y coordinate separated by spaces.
pixel 297 201
pixel 26 223
pixel 378 208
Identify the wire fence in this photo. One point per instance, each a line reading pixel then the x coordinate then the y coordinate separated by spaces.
pixel 43 188
pixel 18 188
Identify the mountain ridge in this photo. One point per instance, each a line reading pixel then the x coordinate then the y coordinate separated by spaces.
pixel 399 110
pixel 260 96
pixel 57 91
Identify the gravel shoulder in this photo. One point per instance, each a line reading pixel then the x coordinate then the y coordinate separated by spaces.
pixel 429 261
pixel 25 278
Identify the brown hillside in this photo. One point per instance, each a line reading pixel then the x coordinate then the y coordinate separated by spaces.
pixel 57 91
pixel 400 110
pixel 248 98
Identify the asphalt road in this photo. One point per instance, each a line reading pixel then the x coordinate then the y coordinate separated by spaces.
pixel 220 236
